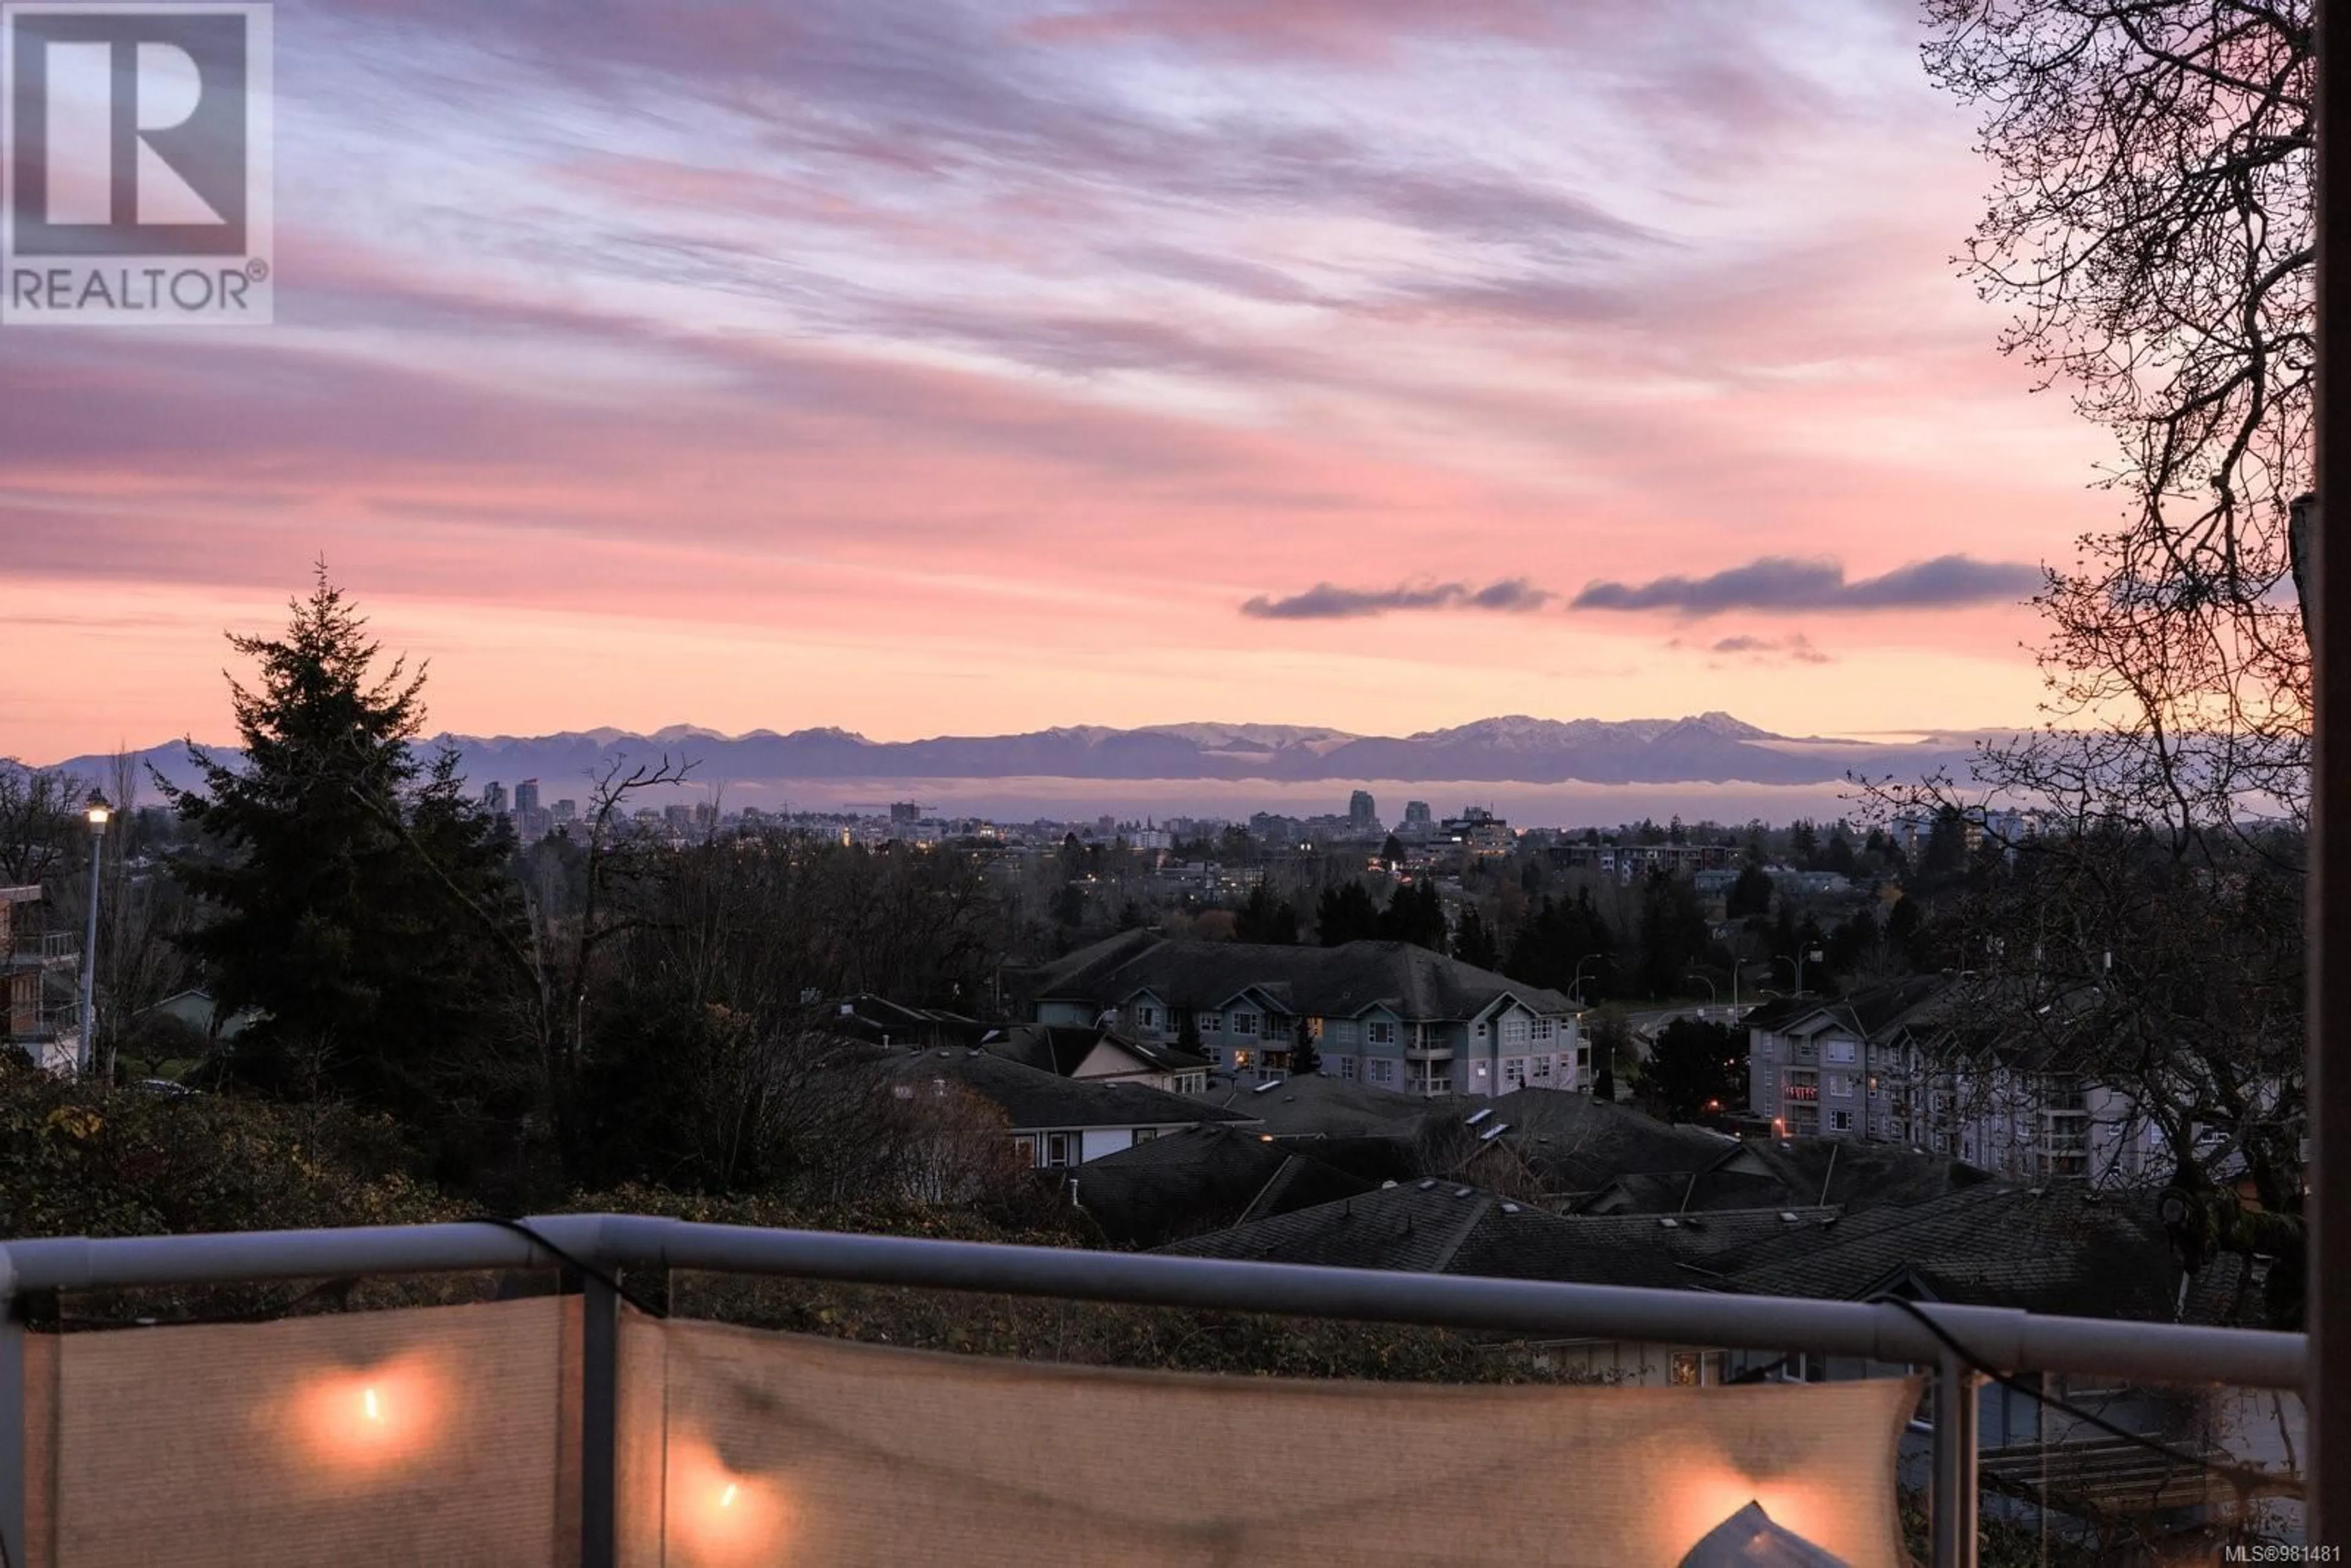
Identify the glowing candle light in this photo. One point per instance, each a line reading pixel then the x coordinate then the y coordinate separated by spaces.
pixel 367 1402
pixel 727 1498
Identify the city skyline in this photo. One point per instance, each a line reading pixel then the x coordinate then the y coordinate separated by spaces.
pixel 981 370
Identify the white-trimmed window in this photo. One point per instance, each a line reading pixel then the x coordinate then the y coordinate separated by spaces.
pixel 1147 1018
pixel 1061 1149
pixel 1542 1029
pixel 1514 1030
pixel 1514 1072
pixel 1837 1051
pixel 1379 1031
pixel 1344 1031
pixel 1212 1023
pixel 1347 1068
pixel 1245 1023
pixel 1842 1121
pixel 1541 1069
pixel 1383 1070
pixel 1839 1085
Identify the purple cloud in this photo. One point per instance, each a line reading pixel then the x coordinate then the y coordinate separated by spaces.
pixel 1328 601
pixel 1786 582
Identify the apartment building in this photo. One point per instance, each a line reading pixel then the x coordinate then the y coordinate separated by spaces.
pixel 1908 1064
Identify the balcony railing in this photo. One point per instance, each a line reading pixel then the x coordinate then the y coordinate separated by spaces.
pixel 600 1246
pixel 45 947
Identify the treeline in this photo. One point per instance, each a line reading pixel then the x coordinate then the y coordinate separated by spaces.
pixel 518 1021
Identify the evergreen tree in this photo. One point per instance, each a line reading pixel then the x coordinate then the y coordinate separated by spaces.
pixel 335 868
pixel 1751 894
pixel 1263 918
pixel 1416 915
pixel 1674 934
pixel 1345 914
pixel 1305 1060
pixel 1696 1069
pixel 1473 941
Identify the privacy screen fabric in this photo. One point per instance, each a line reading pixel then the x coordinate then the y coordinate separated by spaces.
pixel 440 1435
pixel 450 1435
pixel 741 1446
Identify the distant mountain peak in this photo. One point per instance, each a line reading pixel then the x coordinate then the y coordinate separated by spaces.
pixel 1710 748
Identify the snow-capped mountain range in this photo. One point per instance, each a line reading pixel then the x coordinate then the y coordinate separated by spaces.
pixel 1710 748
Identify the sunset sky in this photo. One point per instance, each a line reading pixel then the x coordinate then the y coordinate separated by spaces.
pixel 934 368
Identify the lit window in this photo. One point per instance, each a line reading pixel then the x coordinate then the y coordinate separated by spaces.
pixel 1240 1061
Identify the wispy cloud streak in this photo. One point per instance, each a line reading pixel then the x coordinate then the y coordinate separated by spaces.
pixel 1328 601
pixel 1788 582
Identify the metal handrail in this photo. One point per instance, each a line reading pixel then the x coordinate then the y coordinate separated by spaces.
pixel 2004 1338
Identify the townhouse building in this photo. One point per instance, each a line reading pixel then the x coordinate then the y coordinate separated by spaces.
pixel 1384 1013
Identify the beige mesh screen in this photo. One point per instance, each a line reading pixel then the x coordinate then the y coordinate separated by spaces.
pixel 742 1447
pixel 450 1435
pixel 430 1434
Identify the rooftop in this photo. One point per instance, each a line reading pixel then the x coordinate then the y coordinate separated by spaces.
pixel 1323 982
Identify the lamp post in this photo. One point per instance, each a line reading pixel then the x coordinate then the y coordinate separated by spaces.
pixel 1713 993
pixel 1579 963
pixel 84 1049
pixel 1797 964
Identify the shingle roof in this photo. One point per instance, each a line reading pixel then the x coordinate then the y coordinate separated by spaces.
pixel 1858 1175
pixel 1181 1184
pixel 1323 982
pixel 1578 1143
pixel 878 1019
pixel 1031 1098
pixel 1157 1054
pixel 1063 1047
pixel 2061 1248
pixel 1438 1227
pixel 1863 1013
pixel 1049 1048
pixel 1318 1106
pixel 1777 1173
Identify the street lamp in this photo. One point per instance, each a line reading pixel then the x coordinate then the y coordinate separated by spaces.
pixel 1797 964
pixel 1579 963
pixel 1713 992
pixel 99 812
